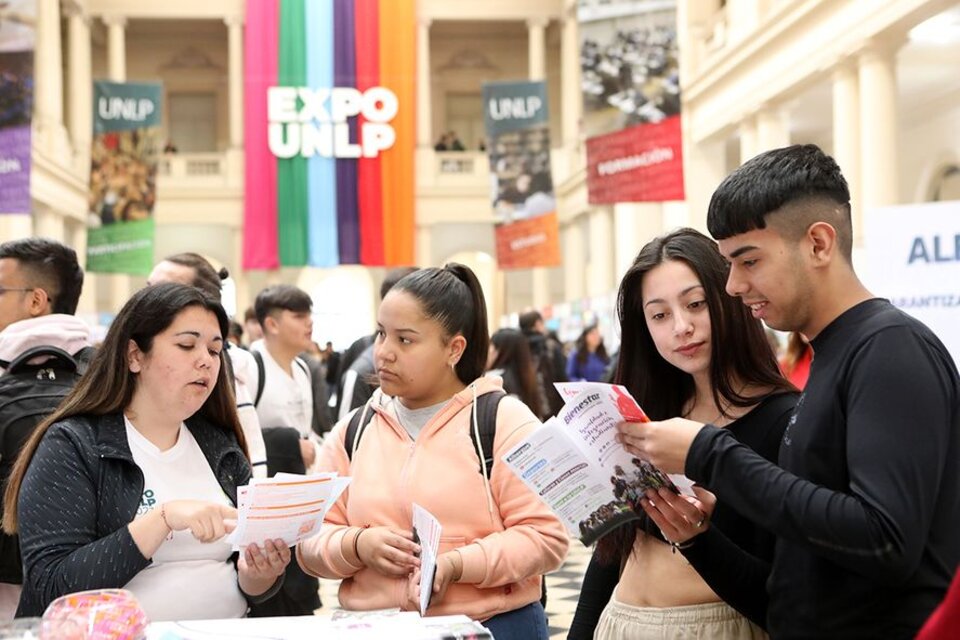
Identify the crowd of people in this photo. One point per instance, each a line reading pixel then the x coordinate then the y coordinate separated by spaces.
pixel 827 498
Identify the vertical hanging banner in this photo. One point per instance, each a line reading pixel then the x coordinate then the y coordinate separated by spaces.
pixel 329 123
pixel 123 177
pixel 631 101
pixel 17 35
pixel 516 120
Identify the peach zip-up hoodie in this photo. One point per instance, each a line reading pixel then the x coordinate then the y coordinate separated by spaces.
pixel 506 544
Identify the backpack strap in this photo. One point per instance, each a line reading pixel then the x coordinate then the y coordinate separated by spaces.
pixel 364 413
pixel 487 426
pixel 260 376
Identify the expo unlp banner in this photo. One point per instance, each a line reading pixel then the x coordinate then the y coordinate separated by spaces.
pixel 123 177
pixel 329 129
pixel 17 38
pixel 517 124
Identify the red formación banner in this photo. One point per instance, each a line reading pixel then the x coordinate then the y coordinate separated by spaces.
pixel 631 100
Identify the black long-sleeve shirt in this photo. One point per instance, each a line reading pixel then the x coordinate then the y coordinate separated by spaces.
pixel 866 500
pixel 733 556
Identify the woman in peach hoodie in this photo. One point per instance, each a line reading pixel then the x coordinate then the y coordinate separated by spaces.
pixel 498 537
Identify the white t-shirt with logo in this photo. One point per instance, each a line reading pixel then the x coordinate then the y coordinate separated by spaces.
pixel 187 579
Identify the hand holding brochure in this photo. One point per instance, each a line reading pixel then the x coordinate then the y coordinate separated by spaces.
pixel 426 533
pixel 288 506
pixel 575 464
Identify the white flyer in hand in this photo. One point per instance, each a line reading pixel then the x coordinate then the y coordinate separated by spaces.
pixel 426 533
pixel 289 507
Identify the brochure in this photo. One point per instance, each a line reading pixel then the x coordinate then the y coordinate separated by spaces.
pixel 288 506
pixel 426 533
pixel 576 466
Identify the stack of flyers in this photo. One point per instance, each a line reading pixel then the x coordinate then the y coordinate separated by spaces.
pixel 426 533
pixel 288 506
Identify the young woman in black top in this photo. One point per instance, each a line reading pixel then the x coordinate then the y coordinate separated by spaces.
pixel 688 349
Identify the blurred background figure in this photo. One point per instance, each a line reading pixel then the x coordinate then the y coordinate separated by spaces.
pixel 509 357
pixel 589 359
pixel 796 360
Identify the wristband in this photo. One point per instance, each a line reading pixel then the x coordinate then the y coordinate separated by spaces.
pixel 681 545
pixel 163 516
pixel 356 543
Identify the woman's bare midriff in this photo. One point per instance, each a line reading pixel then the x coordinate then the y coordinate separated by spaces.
pixel 654 576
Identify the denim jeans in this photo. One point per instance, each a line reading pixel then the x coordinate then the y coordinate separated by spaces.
pixel 525 623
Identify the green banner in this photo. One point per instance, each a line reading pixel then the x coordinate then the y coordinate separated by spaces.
pixel 123 177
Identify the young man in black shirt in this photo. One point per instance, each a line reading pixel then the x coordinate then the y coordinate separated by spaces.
pixel 865 501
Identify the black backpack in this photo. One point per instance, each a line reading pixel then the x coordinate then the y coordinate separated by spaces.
pixel 28 394
pixel 486 424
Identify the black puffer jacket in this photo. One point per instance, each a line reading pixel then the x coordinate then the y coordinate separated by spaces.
pixel 79 494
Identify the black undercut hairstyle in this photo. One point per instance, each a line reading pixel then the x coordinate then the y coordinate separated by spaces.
pixel 790 189
pixel 51 266
pixel 281 297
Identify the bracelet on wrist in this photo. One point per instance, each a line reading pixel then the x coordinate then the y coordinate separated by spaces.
pixel 356 543
pixel 681 545
pixel 163 516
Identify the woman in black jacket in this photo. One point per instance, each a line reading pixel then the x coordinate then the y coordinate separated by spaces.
pixel 132 481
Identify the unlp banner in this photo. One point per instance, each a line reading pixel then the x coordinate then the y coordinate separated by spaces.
pixel 524 204
pixel 123 177
pixel 631 100
pixel 17 33
pixel 913 258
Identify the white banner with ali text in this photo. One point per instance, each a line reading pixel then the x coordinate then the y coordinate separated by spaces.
pixel 913 259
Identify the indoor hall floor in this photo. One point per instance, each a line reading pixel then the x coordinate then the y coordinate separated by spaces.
pixel 563 590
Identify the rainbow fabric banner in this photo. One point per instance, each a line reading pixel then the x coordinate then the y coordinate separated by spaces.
pixel 329 133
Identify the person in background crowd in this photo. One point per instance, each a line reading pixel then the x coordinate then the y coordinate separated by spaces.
pixel 548 358
pixel 251 326
pixel 133 480
pixel 865 502
pixel 499 538
pixel 589 359
pixel 509 358
pixel 40 285
pixel 236 334
pixel 285 408
pixel 797 359
pixel 688 349
pixel 322 420
pixel 194 270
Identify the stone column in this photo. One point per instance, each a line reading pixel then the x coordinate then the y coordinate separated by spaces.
pixel 878 124
pixel 424 93
pixel 572 104
pixel 81 87
pixel 537 61
pixel 48 76
pixel 748 138
pixel 235 78
pixel 600 280
pixel 116 48
pixel 574 262
pixel 846 138
pixel 773 128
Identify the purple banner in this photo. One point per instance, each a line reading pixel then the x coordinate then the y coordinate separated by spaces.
pixel 15 169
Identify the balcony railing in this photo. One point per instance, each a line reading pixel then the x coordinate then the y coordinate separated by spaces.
pixel 192 165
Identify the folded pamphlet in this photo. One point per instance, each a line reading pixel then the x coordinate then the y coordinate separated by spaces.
pixel 288 506
pixel 575 464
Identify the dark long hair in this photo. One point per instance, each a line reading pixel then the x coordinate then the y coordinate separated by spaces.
pixel 583 353
pixel 513 355
pixel 108 385
pixel 740 355
pixel 452 296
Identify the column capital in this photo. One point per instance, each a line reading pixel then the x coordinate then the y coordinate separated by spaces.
pixel 535 23
pixel 73 9
pixel 882 45
pixel 425 22
pixel 234 20
pixel 114 20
